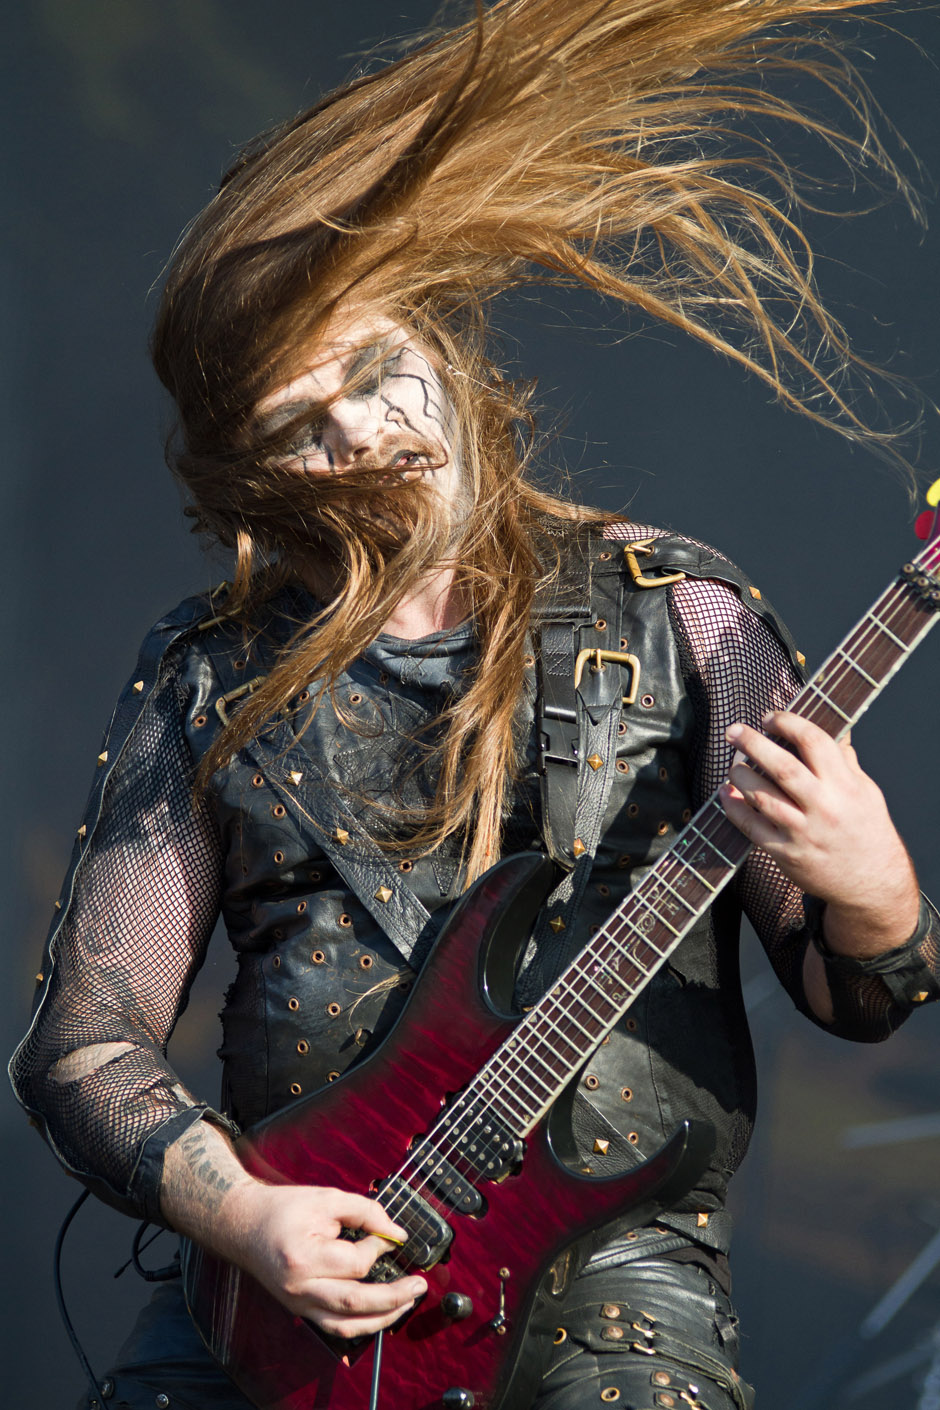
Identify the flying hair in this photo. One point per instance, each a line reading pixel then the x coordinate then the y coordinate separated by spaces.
pixel 618 145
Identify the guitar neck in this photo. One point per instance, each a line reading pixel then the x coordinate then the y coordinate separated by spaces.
pixel 529 1070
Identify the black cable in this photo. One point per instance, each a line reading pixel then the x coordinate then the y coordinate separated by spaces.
pixel 97 1393
pixel 376 1371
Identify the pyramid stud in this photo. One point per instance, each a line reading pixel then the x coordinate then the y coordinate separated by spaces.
pixel 579 848
pixel 102 757
pixel 557 924
pixel 341 836
pixel 295 776
pixel 595 761
pixel 601 1147
pixel 137 687
pixel 384 894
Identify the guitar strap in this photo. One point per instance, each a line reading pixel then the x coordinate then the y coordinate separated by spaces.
pixel 577 716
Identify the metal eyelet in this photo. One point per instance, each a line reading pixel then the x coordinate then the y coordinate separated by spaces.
pixel 334 1010
pixel 318 957
pixel 345 919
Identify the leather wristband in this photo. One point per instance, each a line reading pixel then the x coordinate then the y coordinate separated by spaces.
pixel 904 970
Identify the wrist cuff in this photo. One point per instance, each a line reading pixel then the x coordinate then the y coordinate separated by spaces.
pixel 906 970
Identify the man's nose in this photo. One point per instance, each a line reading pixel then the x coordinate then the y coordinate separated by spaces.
pixel 351 430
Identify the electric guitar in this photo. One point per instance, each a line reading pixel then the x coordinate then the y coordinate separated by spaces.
pixel 458 1128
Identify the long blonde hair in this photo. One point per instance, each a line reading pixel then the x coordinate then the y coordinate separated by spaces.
pixel 596 143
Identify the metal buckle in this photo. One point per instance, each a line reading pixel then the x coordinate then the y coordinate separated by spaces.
pixel 644 546
pixel 598 657
pixel 248 688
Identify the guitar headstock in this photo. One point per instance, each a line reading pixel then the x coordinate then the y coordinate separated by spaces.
pixel 927 525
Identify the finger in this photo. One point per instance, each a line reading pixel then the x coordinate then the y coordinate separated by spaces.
pixel 359 1212
pixel 757 829
pixel 345 1258
pixel 818 750
pixel 786 770
pixel 358 1306
pixel 349 1327
pixel 762 793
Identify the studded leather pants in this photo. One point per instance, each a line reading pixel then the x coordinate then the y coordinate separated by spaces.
pixel 649 1335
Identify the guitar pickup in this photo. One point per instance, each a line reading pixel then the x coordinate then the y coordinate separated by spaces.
pixel 449 1185
pixel 429 1235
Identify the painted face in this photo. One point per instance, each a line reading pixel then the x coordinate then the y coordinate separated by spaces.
pixel 382 407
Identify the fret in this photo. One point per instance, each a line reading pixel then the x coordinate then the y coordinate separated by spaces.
pixel 713 845
pixel 689 905
pixel 898 641
pixel 696 873
pixel 827 700
pixel 586 974
pixel 657 915
pixel 618 977
pixel 566 1013
pixel 875 685
pixel 564 1037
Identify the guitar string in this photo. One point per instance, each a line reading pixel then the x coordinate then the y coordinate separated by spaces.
pixel 868 640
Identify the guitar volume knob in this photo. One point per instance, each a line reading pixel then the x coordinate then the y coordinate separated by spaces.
pixel 457 1306
pixel 458 1399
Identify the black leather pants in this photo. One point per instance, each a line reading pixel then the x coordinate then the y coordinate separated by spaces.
pixel 651 1335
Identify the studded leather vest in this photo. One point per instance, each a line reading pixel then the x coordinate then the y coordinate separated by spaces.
pixel 320 977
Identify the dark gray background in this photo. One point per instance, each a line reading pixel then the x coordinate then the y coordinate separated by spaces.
pixel 121 115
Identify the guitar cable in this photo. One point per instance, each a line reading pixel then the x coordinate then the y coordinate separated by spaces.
pixel 97 1397
pixel 376 1371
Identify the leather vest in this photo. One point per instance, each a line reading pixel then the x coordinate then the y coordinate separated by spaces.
pixel 320 981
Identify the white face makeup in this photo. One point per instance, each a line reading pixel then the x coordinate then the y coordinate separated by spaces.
pixel 383 407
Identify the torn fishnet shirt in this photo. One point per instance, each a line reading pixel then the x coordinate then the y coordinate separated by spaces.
pixel 147 894
pixel 144 903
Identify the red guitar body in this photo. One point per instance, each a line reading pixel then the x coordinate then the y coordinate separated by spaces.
pixel 515 1258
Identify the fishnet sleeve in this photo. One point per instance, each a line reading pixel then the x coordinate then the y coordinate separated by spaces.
pixel 736 669
pixel 144 900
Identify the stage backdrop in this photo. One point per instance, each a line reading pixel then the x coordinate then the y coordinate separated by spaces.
pixel 121 115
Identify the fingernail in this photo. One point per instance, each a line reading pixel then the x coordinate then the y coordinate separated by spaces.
pixel 733 732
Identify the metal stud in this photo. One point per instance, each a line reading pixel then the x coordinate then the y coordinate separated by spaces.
pixel 102 757
pixel 162 1401
pixel 595 761
pixel 40 977
pixel 701 1221
pixel 610 1311
pixel 384 894
pixel 600 1147
pixel 755 593
pixel 341 836
pixel 921 997
pixel 556 924
pixel 81 831
pixel 137 687
pixel 578 847
pixel 58 905
pixel 612 1334
pixel 801 658
pixel 295 776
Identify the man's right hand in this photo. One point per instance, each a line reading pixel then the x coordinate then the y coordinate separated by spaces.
pixel 288 1237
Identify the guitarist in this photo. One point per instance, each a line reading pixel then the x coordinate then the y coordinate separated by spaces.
pixel 399 590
